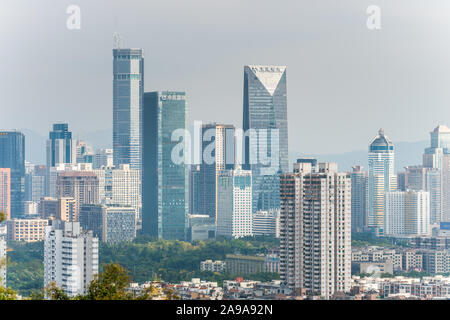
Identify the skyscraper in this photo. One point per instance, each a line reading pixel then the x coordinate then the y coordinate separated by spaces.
pixel 60 146
pixel 83 186
pixel 381 179
pixel 218 150
pixel 265 132
pixel 359 199
pixel 315 230
pixel 437 157
pixel 128 90
pixel 12 156
pixel 165 176
pixel 234 203
pixel 121 187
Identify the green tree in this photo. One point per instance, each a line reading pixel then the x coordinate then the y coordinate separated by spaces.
pixel 111 284
pixel 2 217
pixel 54 293
pixel 7 294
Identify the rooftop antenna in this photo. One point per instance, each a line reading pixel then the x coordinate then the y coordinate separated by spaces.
pixel 117 40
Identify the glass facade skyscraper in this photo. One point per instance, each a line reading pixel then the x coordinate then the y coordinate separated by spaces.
pixel 128 89
pixel 165 182
pixel 381 179
pixel 12 156
pixel 60 145
pixel 266 135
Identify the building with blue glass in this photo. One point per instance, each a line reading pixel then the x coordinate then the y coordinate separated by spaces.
pixel 128 89
pixel 60 145
pixel 265 132
pixel 165 174
pixel 12 156
pixel 381 179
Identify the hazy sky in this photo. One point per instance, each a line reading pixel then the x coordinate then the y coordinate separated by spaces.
pixel 344 81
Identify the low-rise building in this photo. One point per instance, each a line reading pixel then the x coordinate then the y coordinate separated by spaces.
pixel 213 266
pixel 27 230
pixel 243 264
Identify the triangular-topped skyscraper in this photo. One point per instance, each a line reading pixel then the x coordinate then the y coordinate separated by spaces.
pixel 265 111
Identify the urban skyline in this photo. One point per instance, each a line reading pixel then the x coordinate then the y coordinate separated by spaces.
pixel 240 198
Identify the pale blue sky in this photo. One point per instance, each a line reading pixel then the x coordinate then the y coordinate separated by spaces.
pixel 344 81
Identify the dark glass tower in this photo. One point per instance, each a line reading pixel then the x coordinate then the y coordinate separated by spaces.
pixel 165 183
pixel 265 113
pixel 128 88
pixel 59 145
pixel 12 155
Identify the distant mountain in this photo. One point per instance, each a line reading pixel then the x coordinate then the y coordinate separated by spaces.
pixel 406 153
pixel 35 144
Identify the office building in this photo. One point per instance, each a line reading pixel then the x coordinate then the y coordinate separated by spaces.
pixel 437 157
pixel 234 203
pixel 359 199
pixel 165 176
pixel 121 186
pixel 70 257
pixel 128 90
pixel 58 208
pixel 110 224
pixel 103 158
pixel 60 146
pixel 265 132
pixel 82 186
pixel 201 227
pixel 265 223
pixel 84 152
pixel 218 150
pixel 12 156
pixel 35 183
pixel 381 179
pixel 315 230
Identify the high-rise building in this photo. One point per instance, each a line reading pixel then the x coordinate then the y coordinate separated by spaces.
pixel 265 223
pixel 407 213
pixel 234 203
pixel 415 178
pixel 315 230
pixel 5 191
pixel 128 90
pixel 121 187
pixel 84 152
pixel 301 162
pixel 70 257
pixel 110 224
pixel 60 146
pixel 381 179
pixel 103 158
pixel 359 198
pixel 35 183
pixel 218 150
pixel 58 208
pixel 165 176
pixel 12 156
pixel 437 157
pixel 265 132
pixel 83 186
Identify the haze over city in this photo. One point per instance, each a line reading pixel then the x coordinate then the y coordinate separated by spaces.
pixel 344 81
